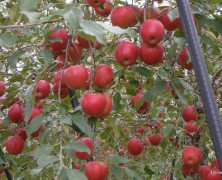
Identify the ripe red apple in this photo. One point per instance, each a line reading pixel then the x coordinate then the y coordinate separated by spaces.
pixel 15 114
pixel 215 164
pixel 191 129
pixel 108 107
pixel 189 113
pixel 126 53
pixel 123 16
pixel 104 10
pixel 84 155
pixel 134 146
pixel 191 156
pixel 64 91
pixel 183 57
pixel 168 24
pixel 60 61
pixel 152 32
pixel 204 170
pixel 59 45
pixel 15 145
pixel 96 3
pixel 148 123
pixel 2 88
pixel 42 89
pixel 75 77
pixel 158 124
pixel 214 174
pixel 151 55
pixel 145 141
pixel 136 11
pixel 75 52
pixel 189 170
pixel 90 77
pixel 155 139
pixel 21 132
pixel 151 13
pixel 144 107
pixel 95 170
pixel 84 43
pixel 77 166
pixel 94 104
pixel 38 131
pixel 103 78
pixel 140 130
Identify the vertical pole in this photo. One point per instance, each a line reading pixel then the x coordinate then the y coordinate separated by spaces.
pixel 202 77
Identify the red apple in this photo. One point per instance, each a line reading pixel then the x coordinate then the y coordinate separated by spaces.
pixel 60 61
pixel 134 146
pixel 95 170
pixel 94 104
pixel 214 174
pixel 15 145
pixel 155 139
pixel 152 32
pixel 75 52
pixel 21 132
pixel 64 91
pixel 15 114
pixel 103 78
pixel 75 77
pixel 191 129
pixel 215 163
pixel 108 107
pixel 183 57
pixel 148 123
pixel 2 88
pixel 37 132
pixel 189 170
pixel 168 24
pixel 151 55
pixel 144 107
pixel 59 45
pixel 150 12
pixel 191 156
pixel 96 3
pixel 123 16
pixel 104 10
pixel 140 130
pixel 126 53
pixel 84 43
pixel 180 28
pixel 145 141
pixel 189 113
pixel 77 166
pixel 204 170
pixel 42 89
pixel 84 155
pixel 157 124
pixel 90 77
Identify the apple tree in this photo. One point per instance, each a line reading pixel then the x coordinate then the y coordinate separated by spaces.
pixel 102 89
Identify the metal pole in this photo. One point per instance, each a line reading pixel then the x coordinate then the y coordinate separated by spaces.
pixel 202 77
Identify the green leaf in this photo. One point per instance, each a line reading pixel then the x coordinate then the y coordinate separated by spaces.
pixel 186 85
pixel 32 16
pixel 42 150
pixel 116 159
pixel 158 87
pixel 26 5
pixel 173 14
pixel 82 125
pixel 117 99
pixel 47 56
pixel 11 61
pixel 149 171
pixel 70 174
pixel 78 146
pixel 72 17
pixel 143 71
pixel 118 31
pixel 35 124
pixel 214 1
pixel 117 172
pixel 2 156
pixel 46 160
pixel 164 142
pixel 7 40
pixel 93 29
pixel 131 174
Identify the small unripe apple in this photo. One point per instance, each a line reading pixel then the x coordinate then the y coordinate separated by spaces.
pixel 126 53
pixel 15 145
pixel 134 147
pixel 42 89
pixel 152 32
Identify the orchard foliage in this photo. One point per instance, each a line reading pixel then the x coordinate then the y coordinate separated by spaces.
pixel 146 98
